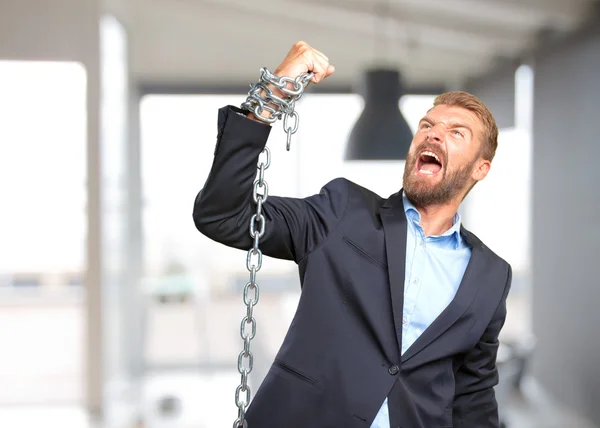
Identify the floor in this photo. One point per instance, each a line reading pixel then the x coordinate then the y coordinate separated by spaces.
pixel 188 402
pixel 184 398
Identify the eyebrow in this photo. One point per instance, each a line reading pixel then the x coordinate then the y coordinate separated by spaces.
pixel 451 124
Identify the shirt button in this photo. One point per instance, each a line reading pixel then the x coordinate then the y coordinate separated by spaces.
pixel 404 320
pixel 416 281
pixel 393 370
pixel 421 243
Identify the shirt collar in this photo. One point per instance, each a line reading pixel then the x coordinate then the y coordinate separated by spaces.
pixel 413 215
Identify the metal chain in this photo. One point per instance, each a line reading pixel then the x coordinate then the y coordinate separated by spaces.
pixel 285 108
pixel 261 97
pixel 251 292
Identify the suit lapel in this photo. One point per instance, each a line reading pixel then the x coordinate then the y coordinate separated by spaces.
pixel 394 226
pixel 464 296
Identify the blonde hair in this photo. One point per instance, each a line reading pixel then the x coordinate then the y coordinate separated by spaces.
pixel 474 104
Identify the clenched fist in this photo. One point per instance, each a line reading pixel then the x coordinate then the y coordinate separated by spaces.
pixel 302 58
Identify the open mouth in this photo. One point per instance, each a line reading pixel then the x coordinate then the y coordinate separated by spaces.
pixel 429 163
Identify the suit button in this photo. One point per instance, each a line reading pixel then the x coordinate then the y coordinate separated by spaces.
pixel 393 370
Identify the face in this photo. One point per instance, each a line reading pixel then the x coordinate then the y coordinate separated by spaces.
pixel 444 160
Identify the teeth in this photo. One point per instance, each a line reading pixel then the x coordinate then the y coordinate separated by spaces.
pixel 433 155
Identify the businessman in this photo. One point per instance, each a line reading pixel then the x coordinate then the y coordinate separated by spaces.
pixel 401 306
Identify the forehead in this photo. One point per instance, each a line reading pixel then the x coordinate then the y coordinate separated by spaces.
pixel 446 114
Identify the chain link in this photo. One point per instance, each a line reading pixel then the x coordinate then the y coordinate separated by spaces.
pixel 257 226
pixel 261 97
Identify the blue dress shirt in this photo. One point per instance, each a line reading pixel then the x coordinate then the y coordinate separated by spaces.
pixel 434 268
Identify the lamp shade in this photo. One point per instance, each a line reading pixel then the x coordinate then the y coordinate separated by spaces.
pixel 381 132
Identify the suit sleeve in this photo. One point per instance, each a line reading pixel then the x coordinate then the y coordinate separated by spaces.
pixel 475 404
pixel 224 206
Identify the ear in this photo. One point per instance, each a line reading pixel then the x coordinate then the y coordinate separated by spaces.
pixel 482 167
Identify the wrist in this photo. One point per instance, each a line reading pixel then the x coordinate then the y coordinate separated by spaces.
pixel 270 106
pixel 267 101
pixel 265 114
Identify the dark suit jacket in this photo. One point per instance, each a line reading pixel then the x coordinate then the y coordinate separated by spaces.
pixel 341 355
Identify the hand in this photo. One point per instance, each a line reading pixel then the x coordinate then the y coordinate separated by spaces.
pixel 302 58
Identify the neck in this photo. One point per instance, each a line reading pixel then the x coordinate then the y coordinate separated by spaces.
pixel 437 219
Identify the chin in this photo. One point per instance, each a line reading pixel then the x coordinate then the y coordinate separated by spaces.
pixel 419 185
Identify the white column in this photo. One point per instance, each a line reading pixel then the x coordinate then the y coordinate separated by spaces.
pixel 70 30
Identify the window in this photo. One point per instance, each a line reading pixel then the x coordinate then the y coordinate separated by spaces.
pixel 42 188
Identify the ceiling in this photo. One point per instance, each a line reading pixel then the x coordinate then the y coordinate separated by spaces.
pixel 434 42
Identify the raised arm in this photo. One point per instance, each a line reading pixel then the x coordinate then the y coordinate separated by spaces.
pixel 223 208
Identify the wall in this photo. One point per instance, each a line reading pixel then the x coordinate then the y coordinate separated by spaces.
pixel 497 91
pixel 566 222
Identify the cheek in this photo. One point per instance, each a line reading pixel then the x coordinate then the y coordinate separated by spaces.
pixel 411 153
pixel 460 155
pixel 416 141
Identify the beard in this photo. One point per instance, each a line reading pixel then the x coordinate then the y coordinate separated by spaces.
pixel 422 192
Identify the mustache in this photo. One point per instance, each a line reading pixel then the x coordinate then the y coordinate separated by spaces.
pixel 431 147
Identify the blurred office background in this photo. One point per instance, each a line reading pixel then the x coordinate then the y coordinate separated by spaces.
pixel 115 312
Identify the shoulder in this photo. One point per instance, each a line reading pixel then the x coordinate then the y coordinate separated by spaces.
pixel 474 240
pixel 354 193
pixel 345 185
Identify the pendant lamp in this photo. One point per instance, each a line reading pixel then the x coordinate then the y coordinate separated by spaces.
pixel 381 132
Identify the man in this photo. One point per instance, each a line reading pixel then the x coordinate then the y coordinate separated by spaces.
pixel 401 306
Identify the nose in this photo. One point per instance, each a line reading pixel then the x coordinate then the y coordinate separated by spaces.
pixel 435 134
